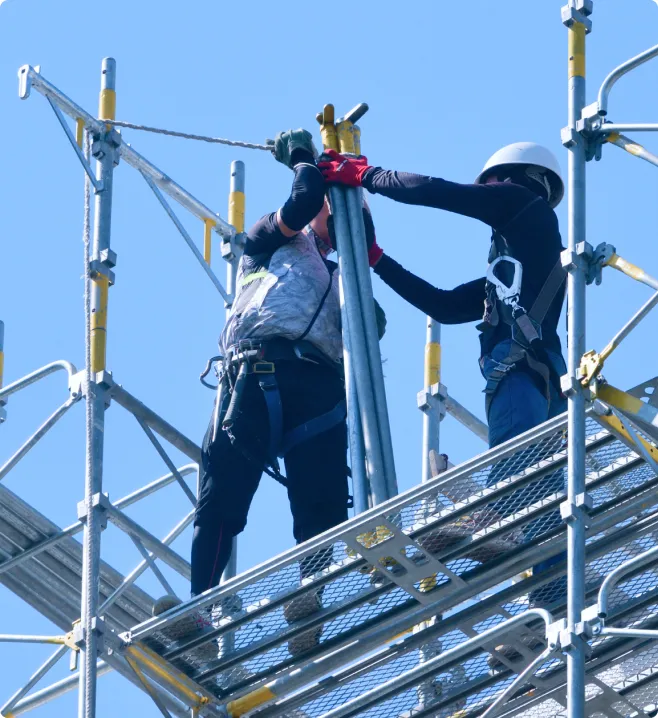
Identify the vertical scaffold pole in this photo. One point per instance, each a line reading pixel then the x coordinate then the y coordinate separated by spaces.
pixel 347 142
pixel 104 149
pixel 431 410
pixel 236 210
pixel 574 511
pixel 3 414
pixel 354 333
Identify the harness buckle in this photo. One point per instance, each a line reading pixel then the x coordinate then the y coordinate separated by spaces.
pixel 262 367
pixel 508 295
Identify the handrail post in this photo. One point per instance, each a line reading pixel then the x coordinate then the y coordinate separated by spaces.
pixel 105 150
pixel 574 16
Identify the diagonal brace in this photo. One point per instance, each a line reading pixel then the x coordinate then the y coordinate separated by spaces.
pixel 98 184
pixel 186 237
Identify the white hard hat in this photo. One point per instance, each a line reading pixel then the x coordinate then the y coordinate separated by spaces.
pixel 527 153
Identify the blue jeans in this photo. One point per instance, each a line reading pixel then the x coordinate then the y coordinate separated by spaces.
pixel 518 405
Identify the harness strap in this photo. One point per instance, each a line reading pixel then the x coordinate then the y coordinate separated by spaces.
pixel 313 427
pixel 270 388
pixel 548 292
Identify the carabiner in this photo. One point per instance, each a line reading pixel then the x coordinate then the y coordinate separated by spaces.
pixel 506 294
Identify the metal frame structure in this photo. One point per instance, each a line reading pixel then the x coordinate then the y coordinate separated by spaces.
pixel 422 587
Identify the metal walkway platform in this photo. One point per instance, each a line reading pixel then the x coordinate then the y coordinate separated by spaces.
pixel 440 563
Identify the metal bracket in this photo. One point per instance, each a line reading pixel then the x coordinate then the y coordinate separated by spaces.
pixel 100 501
pixel 97 267
pixel 386 548
pixel 24 81
pixel 109 257
pixel 580 258
pixel 575 641
pixel 3 412
pixel 107 144
pixel 590 366
pixel 580 13
pixel 600 257
pixel 569 385
pixel 97 626
pixel 578 510
pixel 433 398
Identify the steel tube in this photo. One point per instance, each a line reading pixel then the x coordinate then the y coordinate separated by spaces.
pixel 630 633
pixel 15 638
pixel 168 462
pixel 626 127
pixel 188 240
pixel 30 78
pixel 143 565
pixel 130 526
pixel 432 375
pixel 3 411
pixel 613 578
pixel 633 148
pixel 409 678
pixel 77 527
pixel 576 318
pixel 34 679
pixel 619 72
pixel 359 249
pixel 156 422
pixel 466 418
pixel 236 217
pixel 150 560
pixel 630 325
pixel 37 375
pixel 36 437
pixel 360 361
pixel 96 337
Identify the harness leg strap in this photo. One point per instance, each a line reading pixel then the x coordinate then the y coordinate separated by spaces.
pixel 313 427
pixel 270 388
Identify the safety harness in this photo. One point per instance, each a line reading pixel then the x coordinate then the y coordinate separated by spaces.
pixel 259 356
pixel 503 290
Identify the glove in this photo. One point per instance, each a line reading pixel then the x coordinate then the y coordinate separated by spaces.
pixel 286 143
pixel 344 170
pixel 375 252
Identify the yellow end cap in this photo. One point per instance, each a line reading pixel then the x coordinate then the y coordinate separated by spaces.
pixel 252 700
pixel 345 132
pixel 79 131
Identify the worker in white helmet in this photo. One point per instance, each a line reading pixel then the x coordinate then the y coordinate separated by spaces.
pixel 523 292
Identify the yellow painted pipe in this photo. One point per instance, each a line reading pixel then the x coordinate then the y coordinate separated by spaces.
pixel 577 33
pixel 79 131
pixel 432 363
pixel 208 224
pixel 614 423
pixel 236 210
pixel 345 132
pixel 247 703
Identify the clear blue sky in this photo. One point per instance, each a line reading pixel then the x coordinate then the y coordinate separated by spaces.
pixel 447 86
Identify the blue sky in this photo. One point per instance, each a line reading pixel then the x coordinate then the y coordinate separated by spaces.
pixel 447 86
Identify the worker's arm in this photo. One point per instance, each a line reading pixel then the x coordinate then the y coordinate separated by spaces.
pixel 294 149
pixel 462 304
pixel 494 204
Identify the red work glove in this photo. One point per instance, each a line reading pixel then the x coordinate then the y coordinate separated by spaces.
pixel 375 252
pixel 341 169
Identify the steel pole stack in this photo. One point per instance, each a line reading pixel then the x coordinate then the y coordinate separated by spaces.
pixel 360 339
pixel 574 16
pixel 91 510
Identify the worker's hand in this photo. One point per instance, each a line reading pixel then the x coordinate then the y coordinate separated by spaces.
pixel 375 252
pixel 294 142
pixel 344 170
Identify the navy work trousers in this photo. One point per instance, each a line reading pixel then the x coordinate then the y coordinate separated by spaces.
pixel 316 470
pixel 518 405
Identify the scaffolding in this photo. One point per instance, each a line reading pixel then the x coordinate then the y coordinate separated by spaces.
pixel 426 591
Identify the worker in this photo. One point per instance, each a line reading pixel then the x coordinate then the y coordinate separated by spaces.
pixel 521 359
pixel 282 389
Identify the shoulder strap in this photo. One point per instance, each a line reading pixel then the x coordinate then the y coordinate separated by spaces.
pixel 548 292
